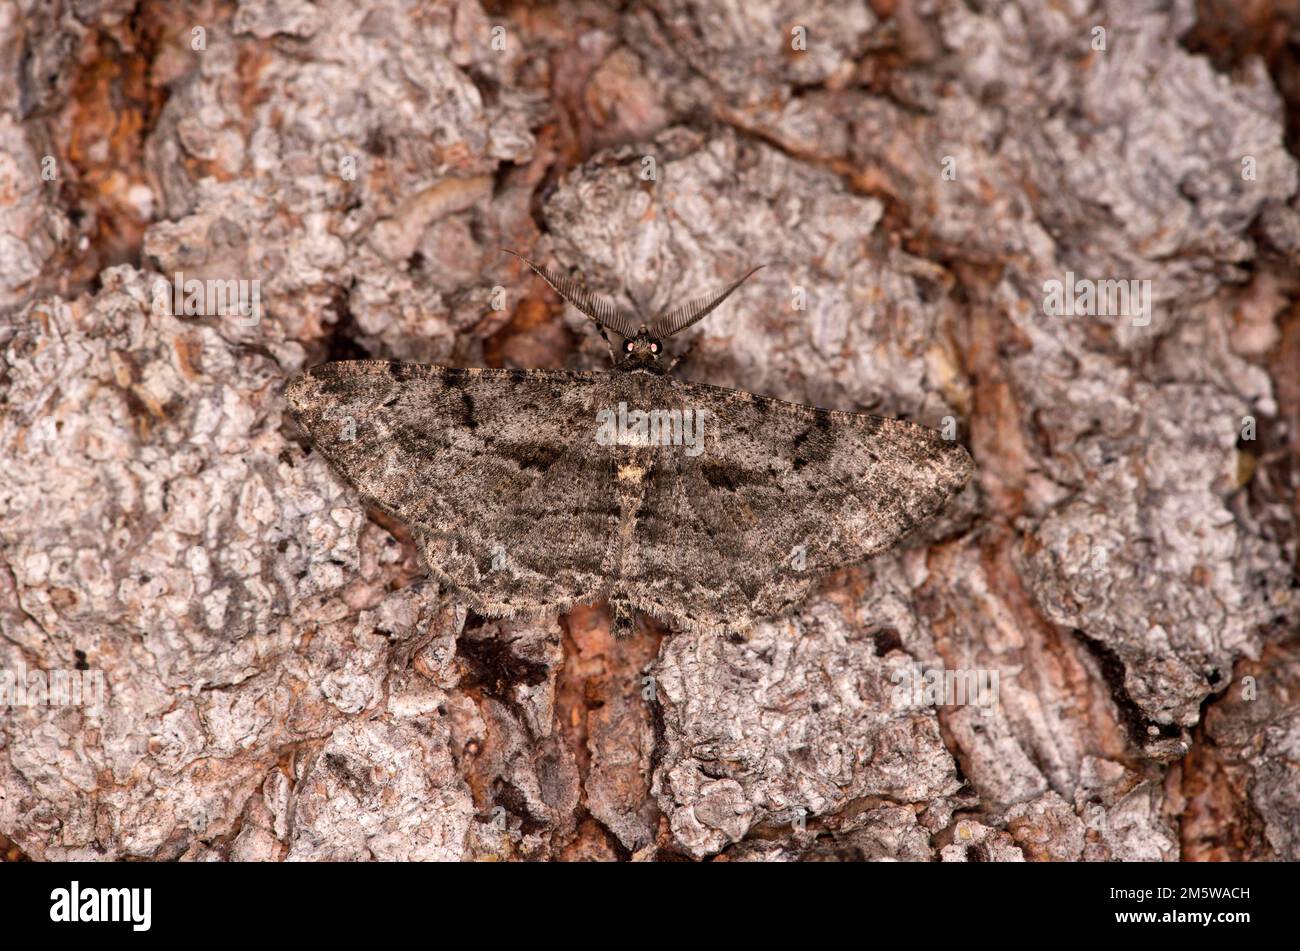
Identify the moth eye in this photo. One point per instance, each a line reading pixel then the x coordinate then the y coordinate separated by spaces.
pixel 627 347
pixel 654 348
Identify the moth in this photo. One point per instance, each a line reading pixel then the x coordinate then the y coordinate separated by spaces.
pixel 530 491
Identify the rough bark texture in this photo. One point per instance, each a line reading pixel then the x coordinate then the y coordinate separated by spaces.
pixel 283 682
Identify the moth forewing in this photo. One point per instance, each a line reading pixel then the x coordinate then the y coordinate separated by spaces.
pixel 534 490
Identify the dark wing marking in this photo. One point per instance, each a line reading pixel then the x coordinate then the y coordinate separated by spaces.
pixel 780 494
pixel 491 469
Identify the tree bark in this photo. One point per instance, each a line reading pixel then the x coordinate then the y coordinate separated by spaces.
pixel 282 679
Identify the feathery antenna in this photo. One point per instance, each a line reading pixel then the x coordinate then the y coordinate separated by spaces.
pixel 602 311
pixel 678 320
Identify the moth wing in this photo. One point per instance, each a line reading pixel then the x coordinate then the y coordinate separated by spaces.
pixel 778 494
pixel 489 468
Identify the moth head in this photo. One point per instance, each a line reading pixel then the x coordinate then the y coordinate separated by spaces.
pixel 643 347
pixel 643 343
